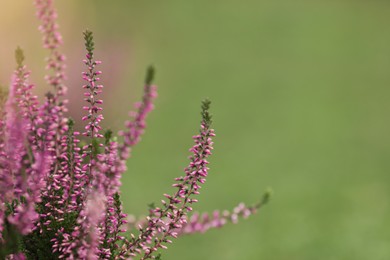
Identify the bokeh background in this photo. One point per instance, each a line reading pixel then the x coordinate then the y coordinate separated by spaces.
pixel 300 92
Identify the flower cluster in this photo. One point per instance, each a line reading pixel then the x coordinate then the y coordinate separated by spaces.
pixel 60 189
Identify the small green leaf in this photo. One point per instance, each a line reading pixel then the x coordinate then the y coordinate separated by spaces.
pixel 150 75
pixel 206 116
pixel 108 136
pixel 19 56
pixel 89 43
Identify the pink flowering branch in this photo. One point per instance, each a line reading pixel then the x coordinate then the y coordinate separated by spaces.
pixel 53 122
pixel 173 213
pixel 93 89
pixel 113 227
pixel 136 127
pixel 13 142
pixel 52 40
pixel 76 176
pixel 112 163
pixel 32 180
pixel 26 101
pixel 94 117
pixel 15 137
pixel 23 167
pixel 201 223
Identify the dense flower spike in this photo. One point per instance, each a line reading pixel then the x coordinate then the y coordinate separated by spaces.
pixel 94 117
pixel 60 189
pixel 23 167
pixel 202 223
pixel 93 89
pixel 52 132
pixel 54 123
pixel 52 40
pixel 26 100
pixel 21 106
pixel 112 228
pixel 163 222
pixel 136 127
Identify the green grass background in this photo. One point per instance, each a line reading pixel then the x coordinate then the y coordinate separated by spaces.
pixel 300 93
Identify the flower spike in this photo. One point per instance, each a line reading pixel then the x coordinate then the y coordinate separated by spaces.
pixel 136 127
pixel 52 40
pixel 164 222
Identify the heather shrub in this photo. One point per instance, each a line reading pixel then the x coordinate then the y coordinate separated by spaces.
pixel 60 189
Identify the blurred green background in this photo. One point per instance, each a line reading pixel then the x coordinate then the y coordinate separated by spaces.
pixel 300 93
